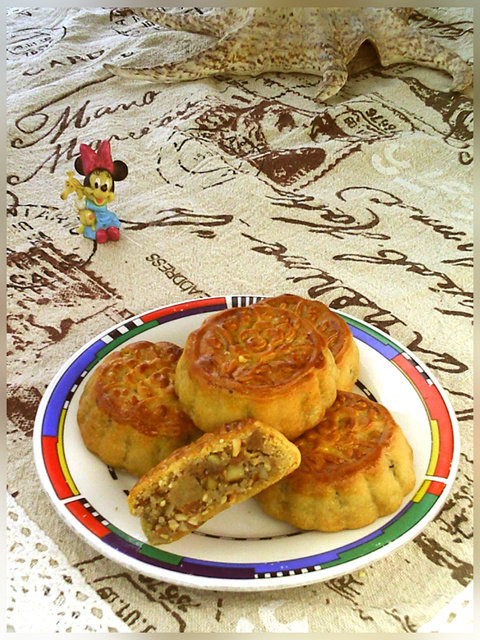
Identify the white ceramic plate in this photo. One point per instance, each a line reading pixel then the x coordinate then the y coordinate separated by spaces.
pixel 242 549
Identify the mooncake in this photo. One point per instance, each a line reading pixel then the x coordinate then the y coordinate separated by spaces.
pixel 129 414
pixel 334 328
pixel 257 362
pixel 356 466
pixel 199 480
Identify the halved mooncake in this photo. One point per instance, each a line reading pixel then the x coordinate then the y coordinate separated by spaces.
pixel 197 481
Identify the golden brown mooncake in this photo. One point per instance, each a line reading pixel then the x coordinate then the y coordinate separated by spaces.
pixel 129 414
pixel 334 328
pixel 256 362
pixel 198 481
pixel 356 466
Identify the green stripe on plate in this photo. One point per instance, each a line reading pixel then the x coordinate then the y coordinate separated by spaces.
pixel 118 341
pixel 391 532
pixel 158 554
pixel 124 535
pixel 372 332
pixel 146 549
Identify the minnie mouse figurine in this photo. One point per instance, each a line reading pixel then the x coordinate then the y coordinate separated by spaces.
pixel 97 221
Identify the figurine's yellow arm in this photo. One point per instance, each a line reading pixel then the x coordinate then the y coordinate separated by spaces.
pixel 71 185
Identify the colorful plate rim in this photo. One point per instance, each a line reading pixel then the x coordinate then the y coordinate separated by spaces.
pixel 117 545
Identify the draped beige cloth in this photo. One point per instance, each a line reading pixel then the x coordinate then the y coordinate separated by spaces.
pixel 245 186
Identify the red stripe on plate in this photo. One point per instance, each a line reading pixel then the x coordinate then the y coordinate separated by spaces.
pixel 438 412
pixel 86 518
pixel 436 487
pixel 209 302
pixel 53 468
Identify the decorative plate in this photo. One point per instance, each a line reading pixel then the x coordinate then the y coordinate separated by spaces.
pixel 242 549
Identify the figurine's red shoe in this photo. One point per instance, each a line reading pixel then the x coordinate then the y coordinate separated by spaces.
pixel 113 233
pixel 101 236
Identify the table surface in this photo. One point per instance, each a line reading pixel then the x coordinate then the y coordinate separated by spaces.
pixel 242 185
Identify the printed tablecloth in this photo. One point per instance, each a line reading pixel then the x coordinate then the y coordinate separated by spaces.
pixel 246 186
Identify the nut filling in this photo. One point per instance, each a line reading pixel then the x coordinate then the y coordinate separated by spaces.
pixel 209 475
pixel 184 501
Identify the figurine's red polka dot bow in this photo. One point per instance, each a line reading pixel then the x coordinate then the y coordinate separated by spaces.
pixel 101 159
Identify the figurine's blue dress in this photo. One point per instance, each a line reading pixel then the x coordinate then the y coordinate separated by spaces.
pixel 105 219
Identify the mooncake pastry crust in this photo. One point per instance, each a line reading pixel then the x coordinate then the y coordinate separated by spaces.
pixel 332 327
pixel 356 466
pixel 201 479
pixel 129 414
pixel 258 361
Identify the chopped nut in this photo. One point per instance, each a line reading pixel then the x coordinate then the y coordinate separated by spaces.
pixel 180 517
pixel 263 473
pixel 234 472
pixel 236 446
pixel 211 483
